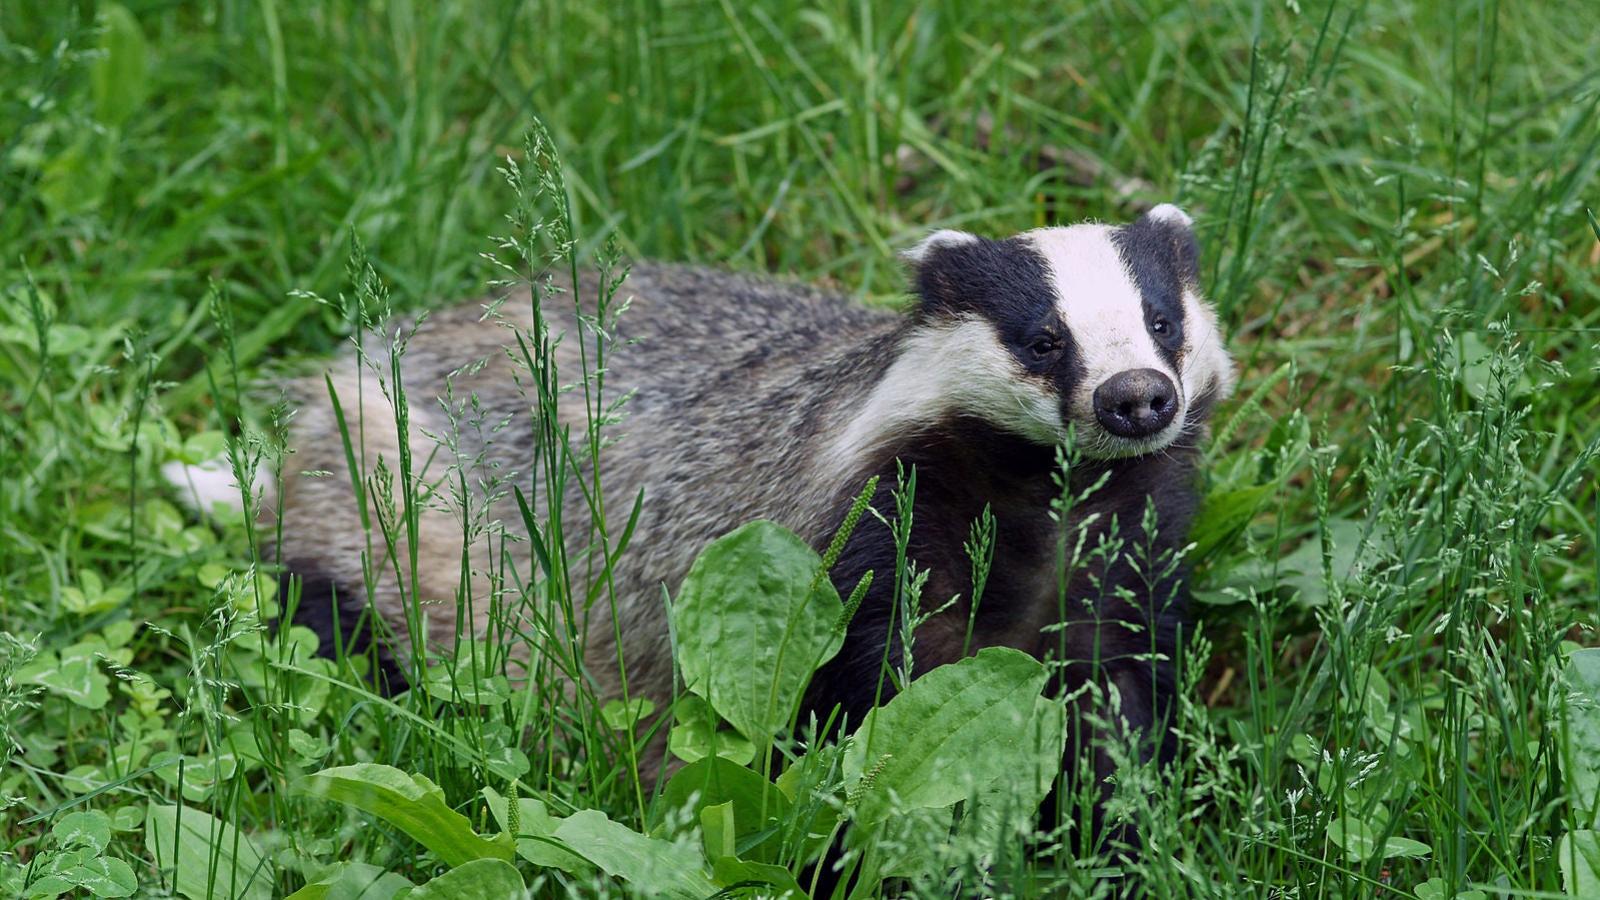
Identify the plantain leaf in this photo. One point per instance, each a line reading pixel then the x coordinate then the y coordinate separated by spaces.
pixel 1579 852
pixel 480 879
pixel 1582 739
pixel 777 881
pixel 119 74
pixel 661 868
pixel 208 858
pixel 410 803
pixel 1223 515
pixel 756 801
pixel 753 666
pixel 950 734
pixel 535 835
pixel 1405 847
pixel 353 881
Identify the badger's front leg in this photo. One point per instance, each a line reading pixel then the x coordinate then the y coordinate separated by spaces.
pixel 1120 677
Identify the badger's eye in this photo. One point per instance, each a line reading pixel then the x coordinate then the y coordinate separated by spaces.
pixel 1042 346
pixel 1160 326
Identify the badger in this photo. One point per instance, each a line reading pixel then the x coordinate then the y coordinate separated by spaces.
pixel 750 398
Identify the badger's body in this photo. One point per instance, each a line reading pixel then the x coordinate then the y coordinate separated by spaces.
pixel 752 399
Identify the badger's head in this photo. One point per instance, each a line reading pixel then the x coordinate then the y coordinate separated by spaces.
pixel 1095 326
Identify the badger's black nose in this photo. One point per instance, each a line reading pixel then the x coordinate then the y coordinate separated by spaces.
pixel 1136 403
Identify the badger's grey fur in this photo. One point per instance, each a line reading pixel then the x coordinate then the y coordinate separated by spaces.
pixel 759 399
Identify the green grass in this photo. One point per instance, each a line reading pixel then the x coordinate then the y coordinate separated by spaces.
pixel 1398 553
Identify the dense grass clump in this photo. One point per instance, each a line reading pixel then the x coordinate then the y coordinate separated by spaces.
pixel 1395 568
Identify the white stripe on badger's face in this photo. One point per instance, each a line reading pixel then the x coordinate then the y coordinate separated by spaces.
pixel 1104 312
pixel 949 368
pixel 1207 365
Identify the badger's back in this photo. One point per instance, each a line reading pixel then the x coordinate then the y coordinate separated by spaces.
pixel 729 382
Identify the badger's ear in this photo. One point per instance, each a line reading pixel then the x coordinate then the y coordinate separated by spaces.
pixel 1171 215
pixel 932 270
pixel 1166 232
pixel 926 249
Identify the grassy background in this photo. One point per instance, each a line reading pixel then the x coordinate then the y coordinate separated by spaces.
pixel 1391 198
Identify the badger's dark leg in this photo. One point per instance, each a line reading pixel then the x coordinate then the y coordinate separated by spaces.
pixel 959 472
pixel 961 468
pixel 342 620
pixel 1126 620
pixel 1140 665
pixel 857 678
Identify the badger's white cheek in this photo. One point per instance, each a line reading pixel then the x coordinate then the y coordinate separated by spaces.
pixel 997 389
pixel 1207 366
pixel 1039 412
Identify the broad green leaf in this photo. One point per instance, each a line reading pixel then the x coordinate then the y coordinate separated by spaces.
pixel 718 831
pixel 208 858
pixel 1001 814
pixel 509 763
pixel 203 447
pixel 480 879
pixel 83 869
pixel 620 716
pixel 127 818
pixel 410 803
pixel 1582 739
pixel 87 828
pixel 904 850
pixel 696 732
pixel 729 871
pixel 74 674
pixel 90 595
pixel 45 886
pixel 76 180
pixel 1438 889
pixel 535 835
pixel 458 685
pixel 198 776
pixel 1048 730
pixel 752 665
pixel 1223 515
pixel 353 881
pixel 120 73
pixel 950 734
pixel 1302 567
pixel 1432 889
pixel 1579 853
pixel 757 802
pixel 83 779
pixel 307 747
pixel 1354 837
pixel 103 877
pixel 119 633
pixel 1396 847
pixel 661 868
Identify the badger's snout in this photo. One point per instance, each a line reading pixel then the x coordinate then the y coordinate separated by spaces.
pixel 1136 404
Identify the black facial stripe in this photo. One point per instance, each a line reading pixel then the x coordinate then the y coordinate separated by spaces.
pixel 1069 373
pixel 1163 258
pixel 1007 283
